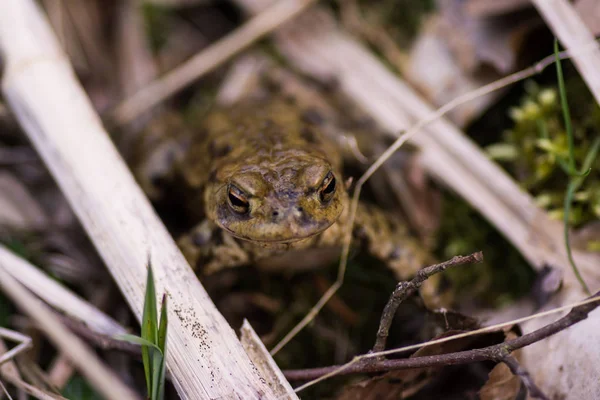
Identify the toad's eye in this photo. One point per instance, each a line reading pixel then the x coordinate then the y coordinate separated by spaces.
pixel 237 199
pixel 327 188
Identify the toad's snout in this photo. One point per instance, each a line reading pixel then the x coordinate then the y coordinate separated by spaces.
pixel 282 214
pixel 286 223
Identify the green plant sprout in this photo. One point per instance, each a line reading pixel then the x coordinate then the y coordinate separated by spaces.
pixel 576 177
pixel 153 340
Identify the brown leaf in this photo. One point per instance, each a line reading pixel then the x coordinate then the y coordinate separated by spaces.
pixel 458 51
pixel 478 40
pixel 501 384
pixel 390 386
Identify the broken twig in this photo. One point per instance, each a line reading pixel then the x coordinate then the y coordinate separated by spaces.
pixel 405 289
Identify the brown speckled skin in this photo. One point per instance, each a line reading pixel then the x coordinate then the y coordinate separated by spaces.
pixel 274 157
pixel 279 159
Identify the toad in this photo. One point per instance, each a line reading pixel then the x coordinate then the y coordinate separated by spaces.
pixel 268 189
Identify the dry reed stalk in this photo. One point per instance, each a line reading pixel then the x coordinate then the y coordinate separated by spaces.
pixel 205 358
pixel 570 29
pixel 82 357
pixel 56 295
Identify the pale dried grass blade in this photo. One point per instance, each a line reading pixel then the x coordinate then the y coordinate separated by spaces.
pixel 34 391
pixel 205 358
pixel 23 340
pixel 11 374
pixel 56 295
pixel 571 364
pixel 260 356
pixel 86 361
pixel 60 371
pixel 572 32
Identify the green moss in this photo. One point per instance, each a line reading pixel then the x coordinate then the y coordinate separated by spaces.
pixel 532 148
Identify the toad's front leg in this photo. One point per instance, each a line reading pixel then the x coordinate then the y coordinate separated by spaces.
pixel 209 249
pixel 385 236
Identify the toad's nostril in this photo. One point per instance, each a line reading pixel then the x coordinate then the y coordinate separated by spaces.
pixel 275 213
pixel 299 209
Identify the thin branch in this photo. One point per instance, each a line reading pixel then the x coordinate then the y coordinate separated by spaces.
pixel 406 289
pixel 9 370
pixel 494 353
pixel 523 374
pixel 57 295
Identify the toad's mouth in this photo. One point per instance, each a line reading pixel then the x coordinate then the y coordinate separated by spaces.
pixel 272 237
pixel 275 241
pixel 287 240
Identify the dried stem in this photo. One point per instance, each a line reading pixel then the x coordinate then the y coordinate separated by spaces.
pixel 56 295
pixel 80 355
pixel 406 289
pixel 23 340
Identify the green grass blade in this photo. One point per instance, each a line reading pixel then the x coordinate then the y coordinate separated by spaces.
pixel 136 340
pixel 150 317
pixel 567 211
pixel 565 109
pixel 162 343
pixel 572 188
pixel 149 326
pixel 590 157
pixel 157 368
pixel 576 178
pixel 162 330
